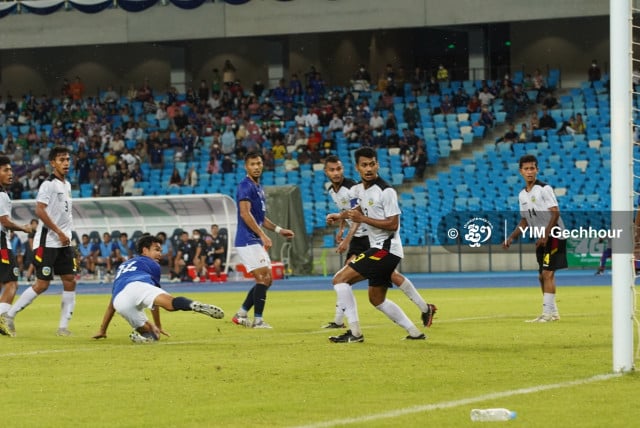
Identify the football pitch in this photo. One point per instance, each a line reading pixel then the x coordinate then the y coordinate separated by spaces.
pixel 479 353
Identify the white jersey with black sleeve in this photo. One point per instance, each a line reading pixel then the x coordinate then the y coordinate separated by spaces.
pixel 380 201
pixel 5 210
pixel 56 195
pixel 345 200
pixel 536 203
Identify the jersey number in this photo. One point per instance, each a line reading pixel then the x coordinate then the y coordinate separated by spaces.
pixel 126 267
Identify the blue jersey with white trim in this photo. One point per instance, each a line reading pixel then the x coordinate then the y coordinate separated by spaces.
pixel 140 268
pixel 248 190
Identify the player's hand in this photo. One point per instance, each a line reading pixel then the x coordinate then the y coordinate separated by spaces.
pixel 287 233
pixel 26 228
pixel 507 243
pixel 332 218
pixel 64 239
pixel 161 331
pixel 100 335
pixel 266 242
pixel 342 247
pixel 541 242
pixel 355 215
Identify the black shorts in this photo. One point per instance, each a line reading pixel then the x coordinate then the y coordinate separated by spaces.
pixel 9 270
pixel 376 265
pixel 358 244
pixel 552 256
pixel 54 261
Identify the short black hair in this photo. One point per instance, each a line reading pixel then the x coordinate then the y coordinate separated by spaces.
pixel 365 152
pixel 253 155
pixel 4 160
pixel 145 241
pixel 58 150
pixel 331 159
pixel 526 159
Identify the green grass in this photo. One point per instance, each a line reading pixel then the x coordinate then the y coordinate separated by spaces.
pixel 215 374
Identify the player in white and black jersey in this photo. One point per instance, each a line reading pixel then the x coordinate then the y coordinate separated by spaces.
pixel 539 209
pixel 53 253
pixel 377 207
pixel 8 267
pixel 356 242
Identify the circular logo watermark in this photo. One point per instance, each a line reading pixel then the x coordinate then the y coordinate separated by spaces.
pixel 479 231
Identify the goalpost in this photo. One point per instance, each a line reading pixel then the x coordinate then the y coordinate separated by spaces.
pixel 621 51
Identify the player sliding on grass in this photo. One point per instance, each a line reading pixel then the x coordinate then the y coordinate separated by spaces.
pixel 377 207
pixel 357 241
pixel 137 286
pixel 539 209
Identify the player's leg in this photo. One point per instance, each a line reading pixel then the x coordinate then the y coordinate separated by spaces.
pixel 125 303
pixel 170 303
pixel 256 260
pixel 66 266
pixel 407 287
pixel 346 301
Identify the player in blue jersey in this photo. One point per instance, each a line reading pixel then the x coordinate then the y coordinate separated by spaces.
pixel 137 286
pixel 252 243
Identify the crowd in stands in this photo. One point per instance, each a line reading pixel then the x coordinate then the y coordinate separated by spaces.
pixel 117 138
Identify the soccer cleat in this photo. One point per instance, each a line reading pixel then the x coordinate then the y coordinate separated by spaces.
pixel 333 324
pixel 241 320
pixel 427 317
pixel 347 337
pixel 203 308
pixel 419 337
pixel 139 338
pixel 555 316
pixel 543 318
pixel 174 279
pixel 63 332
pixel 6 326
pixel 260 324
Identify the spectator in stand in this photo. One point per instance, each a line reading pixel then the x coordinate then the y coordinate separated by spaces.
pixel 123 250
pixel 443 74
pixel 510 136
pixel 191 178
pixel 446 106
pixel 486 97
pixel 391 122
pixel 336 124
pixel 411 115
pixel 87 251
pixel 376 122
pixel 549 101
pixel 103 186
pixel 361 79
pixel 185 253
pixel 145 93
pixel 228 73
pixel 546 121
pixel 594 74
pixel 486 118
pixel 127 185
pixel 473 106
pixel 534 121
pixel 166 258
pixel 525 134
pixel 539 84
pixel 460 98
pixel 175 180
pixel 76 89
pixel 417 80
pixel 156 156
pixel 291 163
pixel 105 253
pixel 579 126
pixel 420 159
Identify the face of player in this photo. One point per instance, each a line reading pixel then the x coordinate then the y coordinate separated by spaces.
pixel 254 168
pixel 61 164
pixel 334 172
pixel 6 175
pixel 368 169
pixel 529 171
pixel 154 251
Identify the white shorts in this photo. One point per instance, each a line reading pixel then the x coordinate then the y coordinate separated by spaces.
pixel 133 299
pixel 254 257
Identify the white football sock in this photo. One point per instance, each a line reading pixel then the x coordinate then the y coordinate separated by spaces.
pixel 67 304
pixel 338 318
pixel 28 296
pixel 548 303
pixel 410 291
pixel 397 315
pixel 4 307
pixel 347 303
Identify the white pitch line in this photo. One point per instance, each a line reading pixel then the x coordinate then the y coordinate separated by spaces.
pixel 456 403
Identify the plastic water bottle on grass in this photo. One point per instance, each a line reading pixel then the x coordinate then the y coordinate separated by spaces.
pixel 490 415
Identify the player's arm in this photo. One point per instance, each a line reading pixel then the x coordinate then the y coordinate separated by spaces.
pixel 287 233
pixel 106 320
pixel 6 221
pixel 155 313
pixel 388 223
pixel 343 245
pixel 41 213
